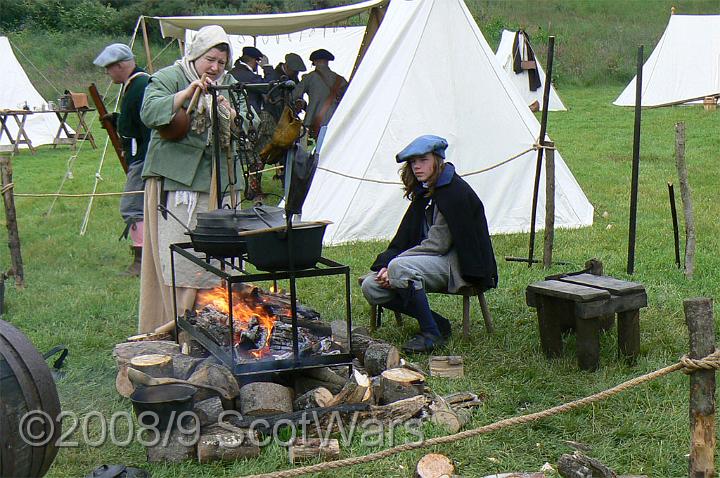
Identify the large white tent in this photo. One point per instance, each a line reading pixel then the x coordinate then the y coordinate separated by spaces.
pixel 684 66
pixel 16 91
pixel 343 42
pixel 504 55
pixel 430 70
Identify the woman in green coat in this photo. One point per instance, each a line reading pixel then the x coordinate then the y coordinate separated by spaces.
pixel 180 173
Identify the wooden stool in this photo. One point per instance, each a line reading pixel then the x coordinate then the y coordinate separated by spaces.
pixel 465 292
pixel 584 300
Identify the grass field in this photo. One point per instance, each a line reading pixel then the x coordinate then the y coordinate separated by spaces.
pixel 75 296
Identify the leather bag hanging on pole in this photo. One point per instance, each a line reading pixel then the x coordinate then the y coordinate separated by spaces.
pixel 288 129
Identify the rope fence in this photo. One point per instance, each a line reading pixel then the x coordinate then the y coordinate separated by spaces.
pixel 685 364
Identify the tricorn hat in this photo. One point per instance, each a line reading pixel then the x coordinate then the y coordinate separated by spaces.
pixel 252 52
pixel 295 62
pixel 321 54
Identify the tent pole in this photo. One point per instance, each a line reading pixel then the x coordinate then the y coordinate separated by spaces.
pixel 635 164
pixel 149 65
pixel 541 142
pixel 374 20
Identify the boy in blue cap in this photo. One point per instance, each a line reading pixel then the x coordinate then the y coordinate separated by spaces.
pixel 442 243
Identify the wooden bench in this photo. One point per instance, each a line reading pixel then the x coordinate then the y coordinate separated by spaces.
pixel 584 300
pixel 466 292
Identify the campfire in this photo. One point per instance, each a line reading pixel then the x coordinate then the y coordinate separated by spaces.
pixel 262 323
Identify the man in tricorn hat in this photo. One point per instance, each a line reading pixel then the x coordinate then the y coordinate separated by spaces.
pixel 245 71
pixel 289 69
pixel 119 64
pixel 324 87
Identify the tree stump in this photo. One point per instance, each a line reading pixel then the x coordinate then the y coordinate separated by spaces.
pixel 313 448
pixel 380 357
pixel 434 465
pixel 155 365
pixel 265 398
pixel 400 383
pixel 317 397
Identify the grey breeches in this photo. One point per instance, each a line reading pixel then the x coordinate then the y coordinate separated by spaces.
pixel 423 272
pixel 131 205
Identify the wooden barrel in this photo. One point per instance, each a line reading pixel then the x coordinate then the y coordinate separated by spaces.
pixel 29 408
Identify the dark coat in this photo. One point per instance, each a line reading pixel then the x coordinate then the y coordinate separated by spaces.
pixel 274 104
pixel 243 74
pixel 465 215
pixel 129 124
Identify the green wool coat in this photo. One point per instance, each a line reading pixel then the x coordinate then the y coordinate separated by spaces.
pixel 184 164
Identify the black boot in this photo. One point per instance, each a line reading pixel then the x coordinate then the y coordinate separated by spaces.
pixel 133 269
pixel 443 325
pixel 415 304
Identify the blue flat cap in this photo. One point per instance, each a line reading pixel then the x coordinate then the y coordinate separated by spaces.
pixel 428 143
pixel 321 54
pixel 113 54
pixel 252 52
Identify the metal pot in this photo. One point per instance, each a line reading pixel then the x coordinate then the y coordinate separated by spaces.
pixel 161 401
pixel 258 217
pixel 269 251
pixel 217 244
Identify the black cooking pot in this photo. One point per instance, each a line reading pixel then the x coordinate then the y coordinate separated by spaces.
pixel 218 245
pixel 269 251
pixel 258 217
pixel 160 401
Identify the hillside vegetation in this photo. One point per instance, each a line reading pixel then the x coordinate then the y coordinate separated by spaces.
pixel 596 41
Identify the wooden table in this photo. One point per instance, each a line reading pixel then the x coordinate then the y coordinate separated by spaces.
pixel 82 131
pixel 584 300
pixel 20 116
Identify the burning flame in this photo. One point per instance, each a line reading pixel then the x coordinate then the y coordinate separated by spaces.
pixel 242 311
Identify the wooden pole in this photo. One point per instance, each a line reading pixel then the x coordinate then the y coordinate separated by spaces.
pixel 676 233
pixel 701 328
pixel 549 205
pixel 13 236
pixel 635 164
pixel 686 199
pixel 541 141
pixel 146 43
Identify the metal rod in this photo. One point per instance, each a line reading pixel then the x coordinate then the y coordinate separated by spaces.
pixel 676 231
pixel 635 164
pixel 231 323
pixel 216 147
pixel 535 261
pixel 541 141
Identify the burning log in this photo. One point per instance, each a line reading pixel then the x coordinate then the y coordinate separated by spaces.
pixel 380 357
pixel 220 444
pixel 155 365
pixel 434 465
pixel 311 448
pixel 265 398
pixel 317 397
pixel 399 384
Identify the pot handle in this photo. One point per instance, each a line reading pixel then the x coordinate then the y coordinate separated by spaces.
pixel 165 210
pixel 258 212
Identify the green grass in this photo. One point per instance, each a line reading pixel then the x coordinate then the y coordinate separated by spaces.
pixel 75 296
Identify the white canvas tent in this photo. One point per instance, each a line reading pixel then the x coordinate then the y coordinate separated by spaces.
pixel 343 42
pixel 15 92
pixel 402 89
pixel 504 55
pixel 684 66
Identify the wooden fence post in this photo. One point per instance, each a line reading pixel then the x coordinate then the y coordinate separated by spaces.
pixel 549 204
pixel 686 199
pixel 701 327
pixel 13 235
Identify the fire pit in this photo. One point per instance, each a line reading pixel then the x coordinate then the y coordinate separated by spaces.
pixel 253 332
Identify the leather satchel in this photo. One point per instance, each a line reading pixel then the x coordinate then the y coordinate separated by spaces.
pixel 288 130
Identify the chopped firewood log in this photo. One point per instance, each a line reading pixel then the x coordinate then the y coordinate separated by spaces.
pixel 313 448
pixel 217 376
pixel 578 465
pixel 122 353
pixel 446 366
pixel 317 397
pixel 208 411
pixel 400 383
pixel 399 411
pixel 443 415
pixel 356 390
pixel 434 465
pixel 184 365
pixel 148 336
pixel 326 375
pixel 123 385
pixel 380 357
pixel 265 398
pixel 303 384
pixel 220 444
pixel 360 344
pixel 155 365
pixel 412 366
pixel 464 400
pixel 315 415
pixel 176 448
